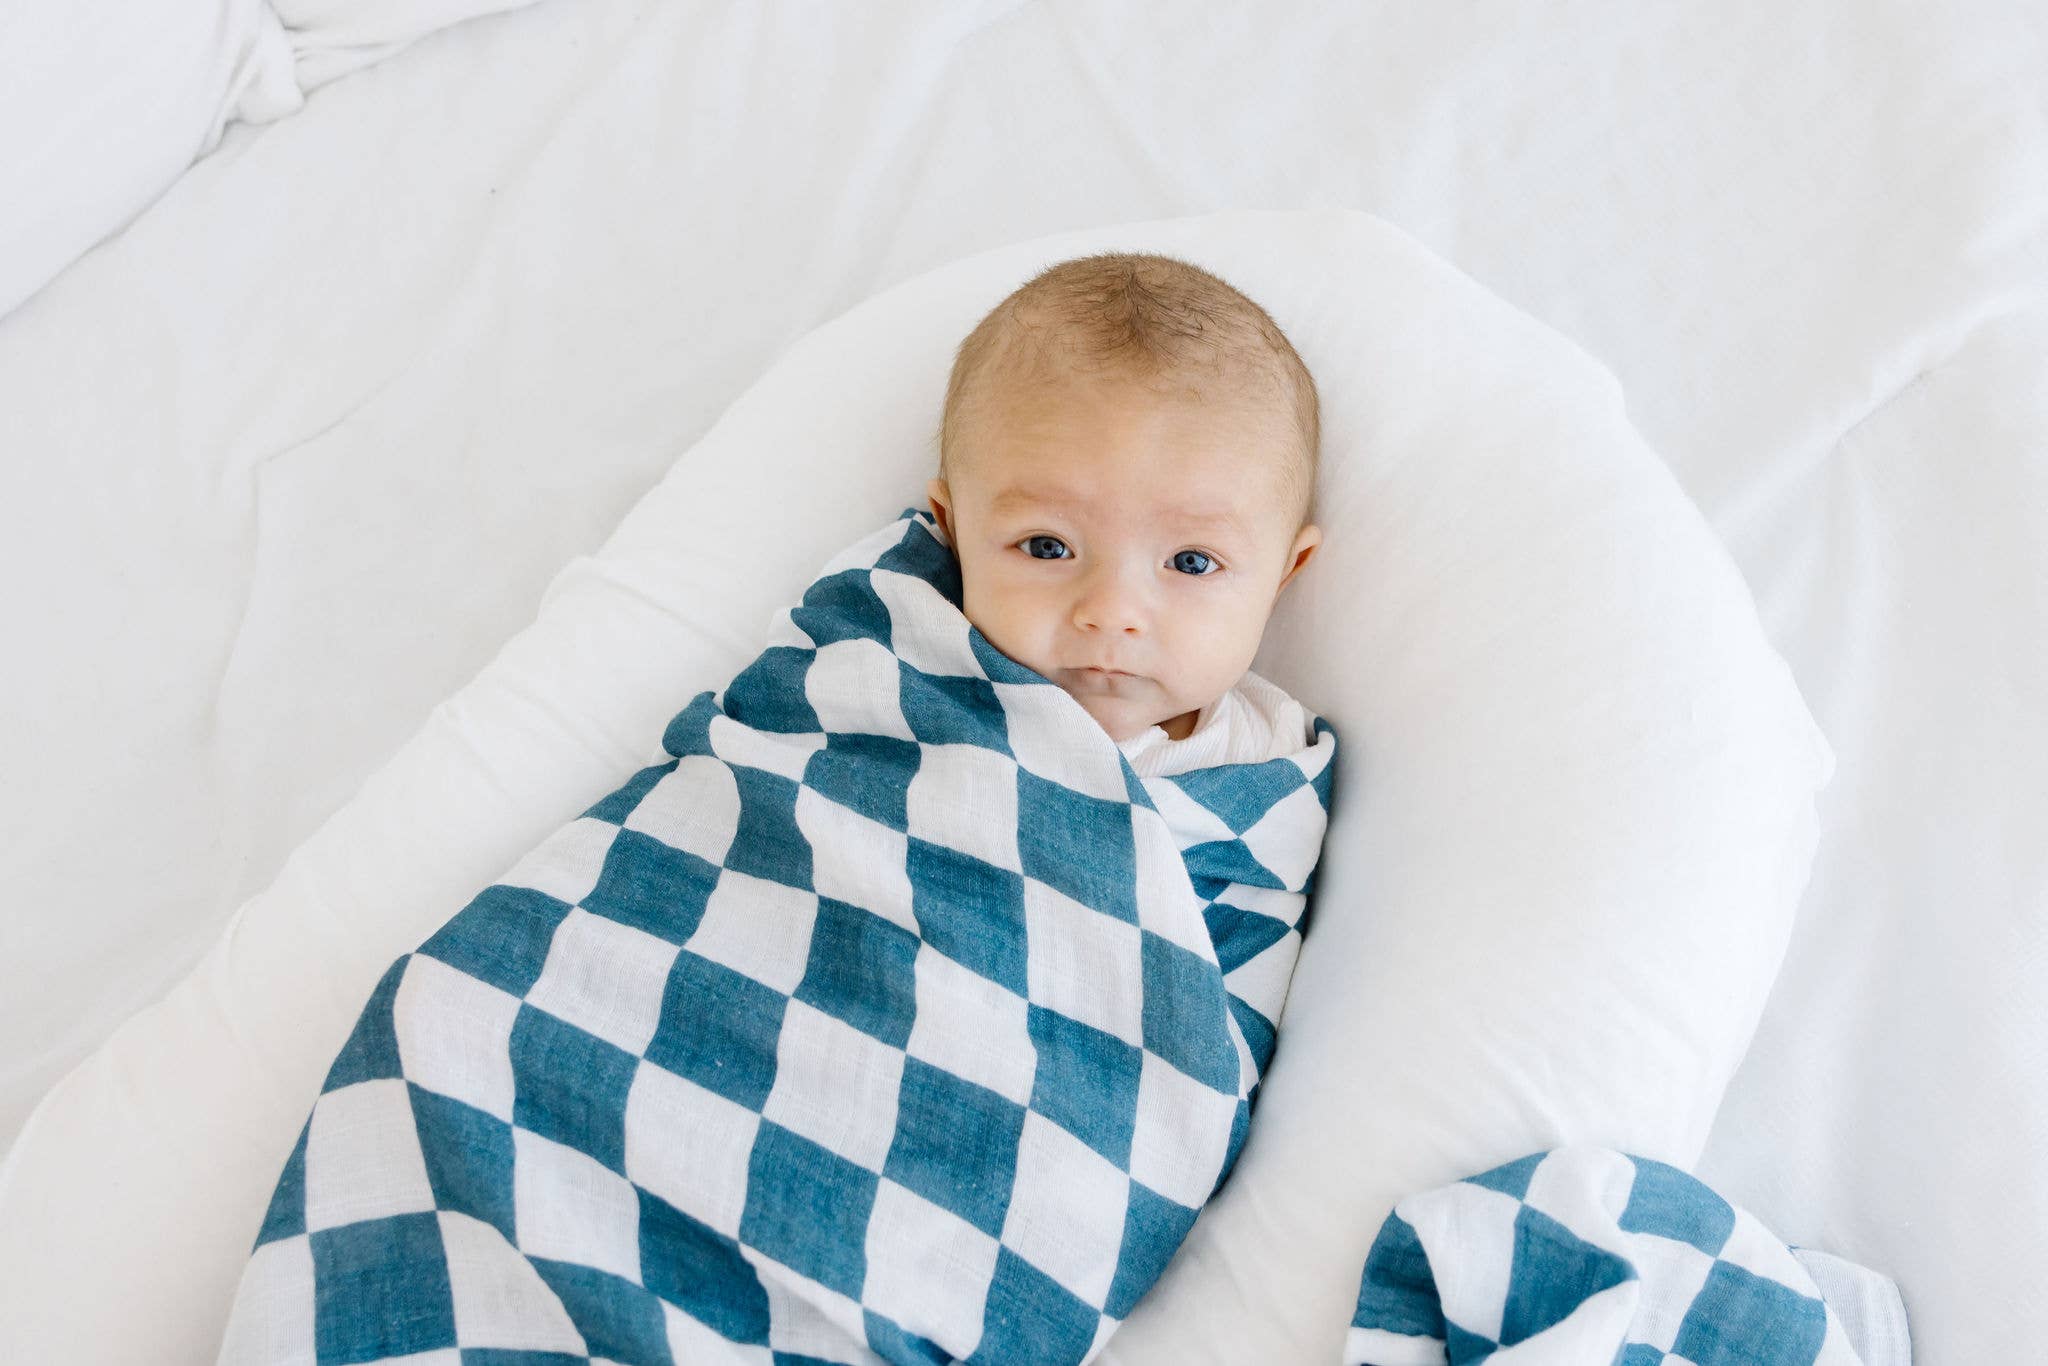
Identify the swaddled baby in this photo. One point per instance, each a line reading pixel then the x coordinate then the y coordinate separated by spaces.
pixel 911 1011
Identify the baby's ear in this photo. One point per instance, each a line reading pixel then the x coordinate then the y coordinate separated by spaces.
pixel 942 507
pixel 1306 542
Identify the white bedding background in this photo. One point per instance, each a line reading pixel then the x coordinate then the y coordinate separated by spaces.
pixel 287 458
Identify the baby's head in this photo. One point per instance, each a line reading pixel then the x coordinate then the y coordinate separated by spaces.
pixel 1127 467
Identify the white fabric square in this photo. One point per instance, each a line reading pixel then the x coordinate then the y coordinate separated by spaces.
pixel 965 797
pixel 455 1034
pixel 365 1133
pixel 1758 1251
pixel 1262 980
pixel 855 687
pixel 1288 839
pixel 1053 737
pixel 1191 822
pixel 929 633
pixel 928 1269
pixel 1086 965
pixel 606 978
pixel 566 864
pixel 757 927
pixel 1167 903
pixel 272 1317
pixel 1474 1289
pixel 856 860
pixel 1067 1207
pixel 969 1026
pixel 1679 1272
pixel 787 755
pixel 570 1207
pixel 1584 1188
pixel 691 1341
pixel 689 1146
pixel 705 821
pixel 500 1300
pixel 808 1319
pixel 1181 1132
pixel 835 1085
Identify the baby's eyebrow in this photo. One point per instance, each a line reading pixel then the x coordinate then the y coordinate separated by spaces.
pixel 1018 498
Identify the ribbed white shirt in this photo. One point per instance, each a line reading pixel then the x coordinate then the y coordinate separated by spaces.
pixel 1251 723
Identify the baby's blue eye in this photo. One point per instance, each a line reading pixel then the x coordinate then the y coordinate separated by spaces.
pixel 1194 562
pixel 1032 543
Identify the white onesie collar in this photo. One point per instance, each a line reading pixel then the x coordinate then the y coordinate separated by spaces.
pixel 1253 722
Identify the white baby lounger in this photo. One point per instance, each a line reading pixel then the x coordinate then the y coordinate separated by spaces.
pixel 1563 861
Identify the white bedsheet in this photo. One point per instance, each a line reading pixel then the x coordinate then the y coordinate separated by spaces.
pixel 287 458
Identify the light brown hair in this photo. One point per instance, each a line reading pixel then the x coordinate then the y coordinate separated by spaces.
pixel 1158 320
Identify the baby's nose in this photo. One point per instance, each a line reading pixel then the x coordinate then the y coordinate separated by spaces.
pixel 1110 605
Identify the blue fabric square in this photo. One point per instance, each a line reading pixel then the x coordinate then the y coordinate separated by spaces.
pixel 769 693
pixel 501 937
pixel 619 805
pixel 1086 1082
pixel 718 1028
pixel 652 887
pixel 943 710
pixel 571 1086
pixel 894 1343
pixel 922 555
pixel 1154 1228
pixel 860 971
pixel 1739 1318
pixel 690 1264
pixel 371 1053
pixel 618 1320
pixel 1511 1178
pixel 1216 864
pixel 1184 1009
pixel 1077 844
pixel 1553 1272
pixel 843 606
pixel 808 1208
pixel 381 1290
pixel 502 1356
pixel 956 1144
pixel 768 843
pixel 1240 935
pixel 973 912
pixel 689 732
pixel 1398 1291
pixel 1240 794
pixel 1639 1354
pixel 469 1158
pixel 286 1216
pixel 1672 1204
pixel 1031 1317
pixel 866 773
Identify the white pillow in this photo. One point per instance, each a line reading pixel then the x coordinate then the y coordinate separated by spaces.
pixel 104 105
pixel 1573 815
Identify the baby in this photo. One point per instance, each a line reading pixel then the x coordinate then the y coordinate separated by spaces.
pixel 1127 464
pixel 887 1019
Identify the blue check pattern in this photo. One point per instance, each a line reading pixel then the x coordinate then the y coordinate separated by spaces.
pixel 892 1018
pixel 1586 1254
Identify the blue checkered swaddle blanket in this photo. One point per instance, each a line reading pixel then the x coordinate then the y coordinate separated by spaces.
pixel 1585 1256
pixel 893 1018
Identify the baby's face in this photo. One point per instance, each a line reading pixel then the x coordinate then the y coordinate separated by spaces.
pixel 1128 547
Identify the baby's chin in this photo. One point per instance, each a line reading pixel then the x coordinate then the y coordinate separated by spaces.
pixel 1123 722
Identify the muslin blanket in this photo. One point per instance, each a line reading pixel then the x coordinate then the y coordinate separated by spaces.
pixel 1586 1254
pixel 892 1018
